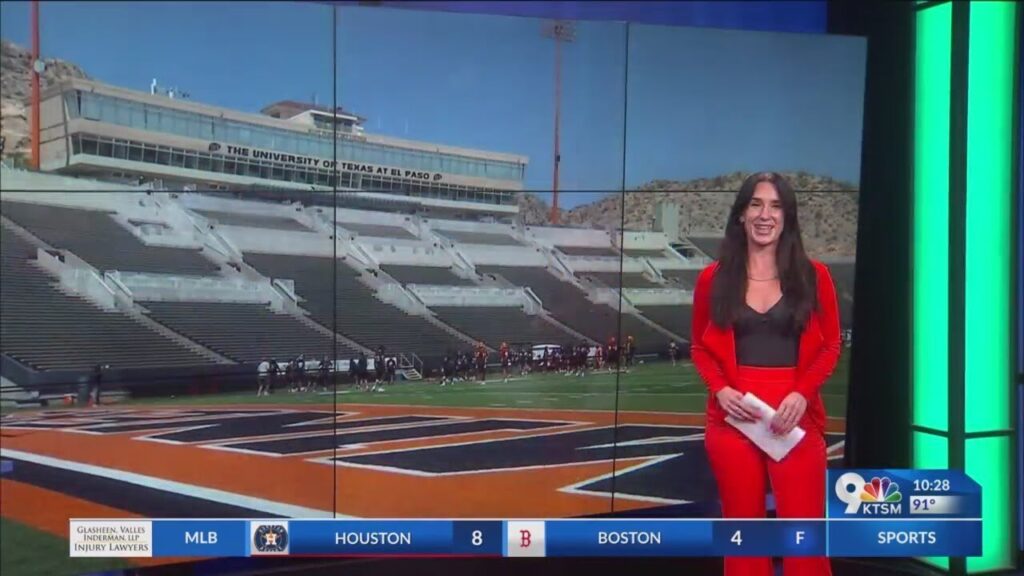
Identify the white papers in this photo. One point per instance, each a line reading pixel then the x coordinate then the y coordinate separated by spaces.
pixel 760 431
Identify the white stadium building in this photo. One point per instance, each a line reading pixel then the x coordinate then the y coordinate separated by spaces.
pixel 162 236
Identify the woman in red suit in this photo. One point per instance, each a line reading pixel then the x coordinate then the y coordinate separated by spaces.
pixel 766 321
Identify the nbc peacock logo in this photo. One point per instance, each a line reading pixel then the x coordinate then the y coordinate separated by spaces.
pixel 879 497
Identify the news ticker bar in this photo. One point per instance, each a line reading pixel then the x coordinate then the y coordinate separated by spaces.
pixel 525 538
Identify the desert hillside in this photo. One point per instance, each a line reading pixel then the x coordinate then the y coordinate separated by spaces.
pixel 15 89
pixel 828 209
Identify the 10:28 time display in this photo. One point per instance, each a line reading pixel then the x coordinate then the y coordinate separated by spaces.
pixel 925 485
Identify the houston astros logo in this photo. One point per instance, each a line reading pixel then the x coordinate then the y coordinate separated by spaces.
pixel 271 538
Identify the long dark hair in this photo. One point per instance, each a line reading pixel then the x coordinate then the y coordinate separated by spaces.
pixel 797 276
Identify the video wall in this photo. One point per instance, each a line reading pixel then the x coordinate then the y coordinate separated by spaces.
pixel 309 254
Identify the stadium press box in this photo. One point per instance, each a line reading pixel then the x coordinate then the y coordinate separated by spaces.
pixel 868 516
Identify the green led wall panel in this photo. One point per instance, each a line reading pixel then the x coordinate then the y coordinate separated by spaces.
pixel 988 463
pixel 964 130
pixel 930 451
pixel 930 324
pixel 987 328
pixel 989 191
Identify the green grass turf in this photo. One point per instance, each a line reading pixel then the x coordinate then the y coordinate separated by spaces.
pixel 650 387
pixel 26 551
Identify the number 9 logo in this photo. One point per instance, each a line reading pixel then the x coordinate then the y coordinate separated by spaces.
pixel 849 487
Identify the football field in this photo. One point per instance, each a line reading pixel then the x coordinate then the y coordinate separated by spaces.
pixel 543 445
pixel 648 387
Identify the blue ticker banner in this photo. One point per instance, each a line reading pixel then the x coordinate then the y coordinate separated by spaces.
pixel 393 538
pixel 788 538
pixel 540 538
pixel 200 538
pixel 917 538
pixel 870 513
pixel 575 538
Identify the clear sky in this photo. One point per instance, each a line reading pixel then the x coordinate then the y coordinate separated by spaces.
pixel 666 103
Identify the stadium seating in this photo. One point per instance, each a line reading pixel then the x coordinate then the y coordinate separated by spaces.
pixel 569 305
pixel 497 324
pixel 643 253
pixel 707 244
pixel 378 230
pixel 360 315
pixel 425 275
pixel 245 332
pixel 676 319
pixel 587 251
pixel 686 278
pixel 94 237
pixel 490 238
pixel 254 220
pixel 625 280
pixel 45 329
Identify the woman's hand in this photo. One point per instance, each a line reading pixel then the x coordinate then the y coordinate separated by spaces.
pixel 790 411
pixel 731 400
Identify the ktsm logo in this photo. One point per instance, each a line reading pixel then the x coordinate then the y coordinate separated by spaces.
pixel 880 497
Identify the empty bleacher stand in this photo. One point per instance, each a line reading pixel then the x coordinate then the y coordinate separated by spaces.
pixel 491 238
pixel 360 315
pixel 378 230
pixel 707 244
pixel 570 306
pixel 425 275
pixel 254 220
pixel 94 237
pixel 625 280
pixel 643 253
pixel 46 329
pixel 497 324
pixel 686 278
pixel 245 332
pixel 676 319
pixel 587 250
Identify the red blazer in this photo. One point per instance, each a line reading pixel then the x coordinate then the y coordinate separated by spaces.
pixel 713 349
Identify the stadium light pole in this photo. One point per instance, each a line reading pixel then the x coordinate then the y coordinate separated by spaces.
pixel 37 69
pixel 560 31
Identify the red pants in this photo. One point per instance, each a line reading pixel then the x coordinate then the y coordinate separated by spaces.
pixel 741 470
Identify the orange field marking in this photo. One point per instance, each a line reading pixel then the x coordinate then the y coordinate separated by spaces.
pixel 363 492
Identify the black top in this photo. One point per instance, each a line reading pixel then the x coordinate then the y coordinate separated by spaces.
pixel 766 339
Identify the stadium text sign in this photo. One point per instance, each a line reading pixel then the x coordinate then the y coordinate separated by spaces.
pixel 326 163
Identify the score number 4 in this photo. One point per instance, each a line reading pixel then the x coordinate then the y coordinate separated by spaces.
pixel 737 538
